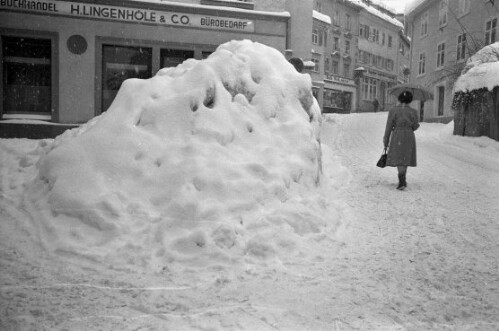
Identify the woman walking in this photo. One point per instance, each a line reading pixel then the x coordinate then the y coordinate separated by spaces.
pixel 399 137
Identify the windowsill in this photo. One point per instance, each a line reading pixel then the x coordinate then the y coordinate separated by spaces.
pixel 421 75
pixel 26 116
pixel 423 36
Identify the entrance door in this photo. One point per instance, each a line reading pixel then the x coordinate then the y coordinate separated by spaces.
pixel 120 63
pixel 441 95
pixel 27 76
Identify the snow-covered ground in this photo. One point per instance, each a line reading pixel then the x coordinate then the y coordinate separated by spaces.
pixel 422 259
pixel 203 200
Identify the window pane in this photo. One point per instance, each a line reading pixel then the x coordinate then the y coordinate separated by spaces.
pixel 174 57
pixel 27 75
pixel 120 63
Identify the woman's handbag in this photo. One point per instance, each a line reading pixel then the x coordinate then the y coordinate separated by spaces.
pixel 382 160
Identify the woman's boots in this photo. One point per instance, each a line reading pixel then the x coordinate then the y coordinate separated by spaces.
pixel 402 183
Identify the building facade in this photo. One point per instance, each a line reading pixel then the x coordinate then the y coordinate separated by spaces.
pixel 378 55
pixel 357 55
pixel 64 61
pixel 444 35
pixel 339 93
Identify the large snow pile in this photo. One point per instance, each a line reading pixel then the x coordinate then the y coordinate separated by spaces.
pixel 481 70
pixel 180 164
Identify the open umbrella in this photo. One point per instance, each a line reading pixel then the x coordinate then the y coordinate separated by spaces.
pixel 418 91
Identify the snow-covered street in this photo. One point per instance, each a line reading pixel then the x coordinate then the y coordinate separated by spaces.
pixel 422 259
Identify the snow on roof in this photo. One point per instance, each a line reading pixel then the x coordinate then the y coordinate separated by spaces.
pixel 378 13
pixel 309 64
pixel 411 5
pixel 224 8
pixel 481 70
pixel 321 17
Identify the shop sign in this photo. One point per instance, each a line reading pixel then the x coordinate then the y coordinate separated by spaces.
pixel 138 15
pixel 340 79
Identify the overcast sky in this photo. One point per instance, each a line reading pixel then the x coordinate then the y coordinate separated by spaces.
pixel 397 5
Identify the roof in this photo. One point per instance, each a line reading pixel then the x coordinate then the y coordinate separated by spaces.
pixel 414 6
pixel 374 11
pixel 321 17
pixel 221 8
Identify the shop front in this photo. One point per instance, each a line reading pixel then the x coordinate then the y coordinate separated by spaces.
pixel 338 95
pixel 63 62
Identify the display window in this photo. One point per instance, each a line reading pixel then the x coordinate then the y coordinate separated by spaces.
pixel 120 63
pixel 336 101
pixel 174 57
pixel 27 76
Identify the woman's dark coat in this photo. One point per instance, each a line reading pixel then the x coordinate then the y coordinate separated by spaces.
pixel 399 136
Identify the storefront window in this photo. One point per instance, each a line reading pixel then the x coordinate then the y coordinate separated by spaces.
pixel 336 101
pixel 369 88
pixel 205 54
pixel 120 63
pixel 27 75
pixel 173 57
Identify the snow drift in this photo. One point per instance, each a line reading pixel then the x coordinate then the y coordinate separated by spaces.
pixel 177 168
pixel 481 70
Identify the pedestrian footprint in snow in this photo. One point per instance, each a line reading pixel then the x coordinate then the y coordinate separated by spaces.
pixel 399 137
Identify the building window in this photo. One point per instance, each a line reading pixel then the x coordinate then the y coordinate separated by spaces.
pixel 374 37
pixel 27 76
pixel 490 31
pixel 120 63
pixel 348 22
pixel 390 41
pixel 369 88
pixel 364 31
pixel 379 61
pixel 422 64
pixel 347 47
pixel 334 69
pixel 174 57
pixel 336 101
pixel 315 36
pixel 464 6
pixel 336 44
pixel 361 57
pixel 442 13
pixel 441 98
pixel 316 60
pixel 318 37
pixel 424 25
pixel 326 65
pixel 440 55
pixel 346 70
pixel 461 47
pixel 336 18
pixel 205 54
pixel 383 37
pixel 389 65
